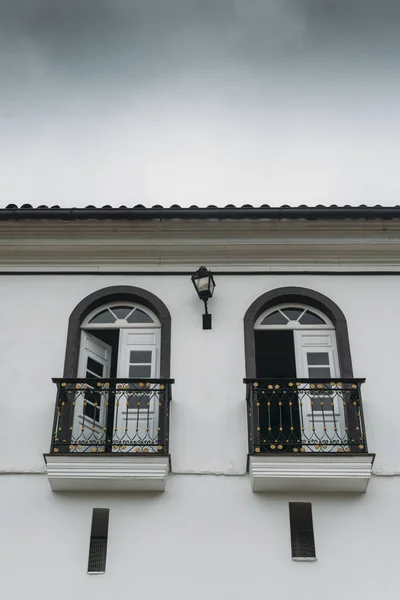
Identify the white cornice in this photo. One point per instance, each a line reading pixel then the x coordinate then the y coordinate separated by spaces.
pixel 109 473
pixel 310 473
pixel 182 245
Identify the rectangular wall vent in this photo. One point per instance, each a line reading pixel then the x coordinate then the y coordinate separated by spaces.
pixel 98 541
pixel 302 531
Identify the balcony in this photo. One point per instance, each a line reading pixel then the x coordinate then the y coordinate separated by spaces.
pixel 307 435
pixel 110 435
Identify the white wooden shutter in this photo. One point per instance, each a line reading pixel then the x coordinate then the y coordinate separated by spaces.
pixel 139 357
pixel 90 411
pixel 322 413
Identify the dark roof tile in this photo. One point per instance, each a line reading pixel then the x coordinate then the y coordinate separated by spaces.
pixel 230 211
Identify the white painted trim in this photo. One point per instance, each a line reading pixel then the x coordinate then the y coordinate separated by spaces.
pixel 183 267
pixel 304 558
pixel 108 473
pixel 120 323
pixel 293 324
pixel 310 473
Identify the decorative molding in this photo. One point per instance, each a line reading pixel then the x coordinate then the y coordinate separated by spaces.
pixel 107 473
pixel 182 245
pixel 310 473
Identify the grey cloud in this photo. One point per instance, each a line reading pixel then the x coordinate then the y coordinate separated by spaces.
pixel 199 100
pixel 124 36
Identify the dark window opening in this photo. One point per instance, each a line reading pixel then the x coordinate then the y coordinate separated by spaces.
pixel 275 359
pixel 98 541
pixel 275 354
pixel 301 530
pixel 110 337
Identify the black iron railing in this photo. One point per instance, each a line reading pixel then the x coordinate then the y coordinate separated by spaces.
pixel 111 416
pixel 305 415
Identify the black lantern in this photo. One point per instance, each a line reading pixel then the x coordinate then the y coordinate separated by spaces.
pixel 204 284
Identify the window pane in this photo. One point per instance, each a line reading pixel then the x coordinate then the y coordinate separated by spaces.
pixel 292 313
pixel 275 318
pixel 121 312
pixel 103 317
pixel 326 403
pixel 319 372
pixel 138 316
pixel 318 358
pixel 139 371
pixel 137 400
pixel 140 356
pixel 92 412
pixel 310 318
pixel 95 367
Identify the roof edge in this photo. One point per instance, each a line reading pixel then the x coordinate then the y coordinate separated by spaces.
pixel 13 212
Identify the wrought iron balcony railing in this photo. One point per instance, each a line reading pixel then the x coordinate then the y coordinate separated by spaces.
pixel 111 416
pixel 305 415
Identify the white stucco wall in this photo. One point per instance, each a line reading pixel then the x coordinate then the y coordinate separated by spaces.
pixel 207 534
pixel 208 426
pixel 205 537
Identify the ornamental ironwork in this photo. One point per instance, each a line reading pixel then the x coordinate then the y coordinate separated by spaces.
pixel 305 415
pixel 112 416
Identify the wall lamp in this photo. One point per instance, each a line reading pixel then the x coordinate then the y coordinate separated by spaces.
pixel 204 284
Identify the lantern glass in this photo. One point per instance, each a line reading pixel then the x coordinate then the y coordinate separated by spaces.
pixel 204 283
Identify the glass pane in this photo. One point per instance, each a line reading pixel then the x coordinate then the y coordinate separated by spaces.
pixel 92 412
pixel 140 356
pixel 202 283
pixel 326 404
pixel 292 313
pixel 275 318
pixel 318 358
pixel 121 312
pixel 310 318
pixel 319 372
pixel 137 400
pixel 103 317
pixel 95 367
pixel 138 316
pixel 139 371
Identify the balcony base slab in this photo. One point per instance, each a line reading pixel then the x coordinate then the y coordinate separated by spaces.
pixel 310 472
pixel 107 473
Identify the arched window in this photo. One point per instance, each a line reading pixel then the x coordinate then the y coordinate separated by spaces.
pixel 107 310
pixel 314 311
pixel 120 340
pixel 297 349
pixel 122 335
pixel 295 340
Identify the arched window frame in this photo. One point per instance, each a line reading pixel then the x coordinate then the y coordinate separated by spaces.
pixel 120 323
pixel 293 324
pixel 117 295
pixel 307 297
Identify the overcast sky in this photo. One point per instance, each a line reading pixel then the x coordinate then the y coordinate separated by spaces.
pixel 199 102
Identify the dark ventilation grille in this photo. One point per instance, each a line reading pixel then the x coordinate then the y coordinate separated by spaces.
pixel 98 541
pixel 97 554
pixel 303 544
pixel 301 529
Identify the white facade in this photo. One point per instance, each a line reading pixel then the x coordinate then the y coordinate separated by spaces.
pixel 208 534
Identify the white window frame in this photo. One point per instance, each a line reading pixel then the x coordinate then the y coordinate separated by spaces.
pixel 121 323
pixel 294 324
